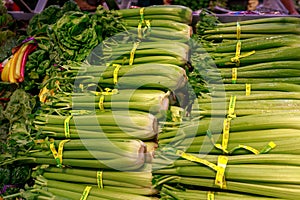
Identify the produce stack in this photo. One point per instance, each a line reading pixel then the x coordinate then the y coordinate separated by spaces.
pixel 245 144
pixel 98 122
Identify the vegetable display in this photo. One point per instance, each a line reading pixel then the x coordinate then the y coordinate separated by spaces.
pixel 248 114
pixel 131 104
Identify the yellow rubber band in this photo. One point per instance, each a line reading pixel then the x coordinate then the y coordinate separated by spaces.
pixel 67 126
pixel 238 31
pixel 107 91
pixel 142 14
pixel 142 21
pixel 196 159
pixel 210 195
pixel 61 149
pixel 247 54
pixel 220 176
pixel 147 28
pixel 140 30
pixel 55 154
pixel 231 108
pixel 226 127
pixel 268 148
pixel 101 102
pixel 135 46
pixel 86 193
pixel 234 75
pixel 100 179
pixel 236 58
pixel 116 71
pixel 253 150
pixel 248 89
pixel 58 155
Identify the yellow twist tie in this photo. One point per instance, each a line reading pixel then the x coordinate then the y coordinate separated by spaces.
pixel 210 195
pixel 234 75
pixel 196 159
pixel 142 21
pixel 100 179
pixel 101 102
pixel 135 46
pixel 116 71
pixel 248 89
pixel 86 193
pixel 238 31
pixel 236 58
pixel 271 145
pixel 268 148
pixel 220 176
pixel 67 126
pixel 231 108
pixel 226 127
pixel 251 149
pixel 147 28
pixel 225 139
pixel 58 155
pixel 107 91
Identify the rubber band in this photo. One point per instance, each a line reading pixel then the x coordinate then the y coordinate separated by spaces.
pixel 147 28
pixel 102 95
pixel 225 138
pixel 107 91
pixel 226 127
pixel 268 148
pixel 142 14
pixel 101 102
pixel 116 71
pixel 220 176
pixel 135 46
pixel 236 58
pixel 238 31
pixel 248 89
pixel 231 108
pixel 210 195
pixel 140 30
pixel 251 149
pixel 86 193
pixel 100 179
pixel 142 21
pixel 58 155
pixel 67 126
pixel 55 154
pixel 234 75
pixel 196 159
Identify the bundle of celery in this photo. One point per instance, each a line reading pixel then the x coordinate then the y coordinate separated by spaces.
pixel 110 185
pixel 90 153
pixel 157 75
pixel 151 101
pixel 170 193
pixel 114 124
pixel 263 175
pixel 265 27
pixel 155 23
pixel 257 103
pixel 147 52
pixel 134 182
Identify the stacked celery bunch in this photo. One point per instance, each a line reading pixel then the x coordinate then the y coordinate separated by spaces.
pixel 243 143
pixel 99 120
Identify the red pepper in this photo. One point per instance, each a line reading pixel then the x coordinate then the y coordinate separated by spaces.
pixel 30 48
